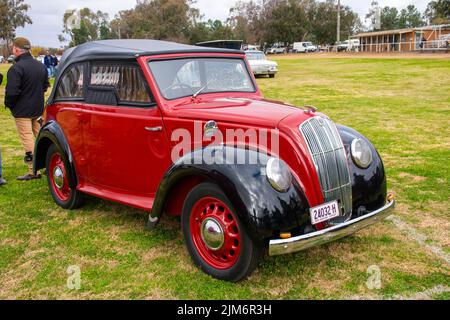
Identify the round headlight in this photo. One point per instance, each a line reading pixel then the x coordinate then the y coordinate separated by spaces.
pixel 361 153
pixel 278 174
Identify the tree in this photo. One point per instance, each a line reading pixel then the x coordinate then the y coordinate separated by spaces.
pixel 438 12
pixel 411 18
pixel 13 14
pixel 389 18
pixel 323 29
pixel 92 26
pixel 157 19
pixel 288 21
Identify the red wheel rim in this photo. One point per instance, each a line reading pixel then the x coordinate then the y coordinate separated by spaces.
pixel 58 178
pixel 212 209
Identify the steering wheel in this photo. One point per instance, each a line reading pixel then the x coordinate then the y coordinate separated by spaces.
pixel 180 85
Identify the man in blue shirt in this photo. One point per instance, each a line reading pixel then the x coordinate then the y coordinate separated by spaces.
pixel 48 62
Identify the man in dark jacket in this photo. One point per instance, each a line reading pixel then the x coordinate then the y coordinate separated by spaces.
pixel 27 84
pixel 48 62
pixel 2 181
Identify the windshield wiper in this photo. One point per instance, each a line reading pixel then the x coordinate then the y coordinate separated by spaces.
pixel 195 95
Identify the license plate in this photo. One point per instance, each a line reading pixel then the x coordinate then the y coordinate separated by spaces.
pixel 324 212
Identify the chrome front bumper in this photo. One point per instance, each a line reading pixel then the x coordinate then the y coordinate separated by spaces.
pixel 283 246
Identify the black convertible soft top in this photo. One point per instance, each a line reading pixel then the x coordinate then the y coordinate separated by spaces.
pixel 131 49
pixel 126 50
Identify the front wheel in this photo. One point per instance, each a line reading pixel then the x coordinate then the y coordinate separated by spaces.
pixel 58 181
pixel 215 237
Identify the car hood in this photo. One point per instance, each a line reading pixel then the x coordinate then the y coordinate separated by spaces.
pixel 245 111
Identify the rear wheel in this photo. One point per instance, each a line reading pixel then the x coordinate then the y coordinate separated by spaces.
pixel 271 76
pixel 58 182
pixel 215 237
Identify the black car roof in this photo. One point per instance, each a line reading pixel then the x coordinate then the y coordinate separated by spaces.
pixel 123 49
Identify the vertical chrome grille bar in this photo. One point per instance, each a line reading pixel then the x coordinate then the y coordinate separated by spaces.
pixel 328 153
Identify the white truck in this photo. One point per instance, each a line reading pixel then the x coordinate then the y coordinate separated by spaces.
pixel 304 47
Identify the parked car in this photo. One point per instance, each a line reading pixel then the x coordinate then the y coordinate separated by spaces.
pixel 443 42
pixel 138 121
pixel 349 45
pixel 260 65
pixel 276 50
pixel 11 59
pixel 304 47
pixel 2 59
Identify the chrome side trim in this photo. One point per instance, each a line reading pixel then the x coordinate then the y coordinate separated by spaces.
pixel 284 246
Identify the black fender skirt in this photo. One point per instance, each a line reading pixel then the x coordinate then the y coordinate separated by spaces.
pixel 369 187
pixel 51 133
pixel 262 209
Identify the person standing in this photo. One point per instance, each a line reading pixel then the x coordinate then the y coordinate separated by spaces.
pixel 24 96
pixel 55 63
pixel 48 62
pixel 2 181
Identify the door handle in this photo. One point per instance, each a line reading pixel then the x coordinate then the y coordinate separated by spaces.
pixel 153 129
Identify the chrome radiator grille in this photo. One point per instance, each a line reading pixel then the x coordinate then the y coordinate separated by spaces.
pixel 328 152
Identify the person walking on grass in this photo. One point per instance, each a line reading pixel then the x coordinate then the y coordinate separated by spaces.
pixel 48 62
pixel 24 96
pixel 55 63
pixel 2 181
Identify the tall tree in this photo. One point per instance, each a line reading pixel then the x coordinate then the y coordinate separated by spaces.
pixel 411 17
pixel 13 14
pixel 389 18
pixel 438 12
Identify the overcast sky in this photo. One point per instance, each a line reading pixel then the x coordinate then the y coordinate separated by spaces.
pixel 47 14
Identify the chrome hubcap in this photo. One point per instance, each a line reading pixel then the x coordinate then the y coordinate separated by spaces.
pixel 58 177
pixel 212 234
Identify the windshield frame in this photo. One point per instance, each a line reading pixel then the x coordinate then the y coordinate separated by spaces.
pixel 193 57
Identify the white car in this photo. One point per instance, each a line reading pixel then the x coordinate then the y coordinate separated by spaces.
pixel 2 59
pixel 349 45
pixel 303 47
pixel 276 50
pixel 260 65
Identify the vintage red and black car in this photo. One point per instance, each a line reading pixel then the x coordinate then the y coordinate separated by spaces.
pixel 116 117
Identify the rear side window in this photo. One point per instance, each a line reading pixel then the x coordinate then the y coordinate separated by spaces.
pixel 71 83
pixel 126 79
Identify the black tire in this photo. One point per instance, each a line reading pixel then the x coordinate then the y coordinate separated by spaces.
pixel 250 249
pixel 75 198
pixel 271 76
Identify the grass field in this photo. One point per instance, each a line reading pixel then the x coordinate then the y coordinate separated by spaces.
pixel 402 105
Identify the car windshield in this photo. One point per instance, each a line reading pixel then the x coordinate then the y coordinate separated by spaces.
pixel 256 56
pixel 185 77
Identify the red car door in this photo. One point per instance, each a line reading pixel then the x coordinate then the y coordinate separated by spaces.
pixel 128 151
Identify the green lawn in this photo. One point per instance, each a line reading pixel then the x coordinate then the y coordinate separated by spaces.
pixel 402 105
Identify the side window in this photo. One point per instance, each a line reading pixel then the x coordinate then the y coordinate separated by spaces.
pixel 71 83
pixel 126 79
